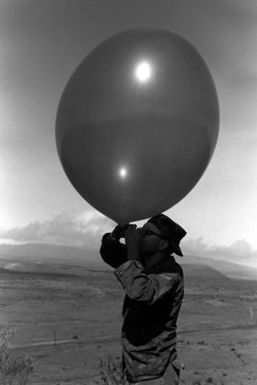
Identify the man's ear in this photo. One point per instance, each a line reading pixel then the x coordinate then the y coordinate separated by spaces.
pixel 163 245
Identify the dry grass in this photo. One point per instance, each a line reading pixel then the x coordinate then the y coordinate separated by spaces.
pixel 111 371
pixel 15 368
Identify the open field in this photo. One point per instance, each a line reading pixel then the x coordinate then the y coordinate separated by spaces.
pixel 67 318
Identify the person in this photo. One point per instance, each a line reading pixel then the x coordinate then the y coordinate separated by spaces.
pixel 154 289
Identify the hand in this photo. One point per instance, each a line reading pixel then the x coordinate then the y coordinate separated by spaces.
pixel 132 238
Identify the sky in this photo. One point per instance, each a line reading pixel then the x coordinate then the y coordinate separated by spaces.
pixel 41 44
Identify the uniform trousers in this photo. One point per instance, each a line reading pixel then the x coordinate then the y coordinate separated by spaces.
pixel 170 377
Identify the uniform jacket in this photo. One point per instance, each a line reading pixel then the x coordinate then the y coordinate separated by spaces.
pixel 150 311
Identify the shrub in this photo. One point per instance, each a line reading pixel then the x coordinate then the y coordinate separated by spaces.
pixel 111 371
pixel 15 368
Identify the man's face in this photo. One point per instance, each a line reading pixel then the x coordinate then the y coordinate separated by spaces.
pixel 150 239
pixel 150 246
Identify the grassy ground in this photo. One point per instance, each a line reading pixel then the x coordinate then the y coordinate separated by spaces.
pixel 68 324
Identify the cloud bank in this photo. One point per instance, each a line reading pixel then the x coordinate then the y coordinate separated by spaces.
pixel 86 229
pixel 239 251
pixel 69 229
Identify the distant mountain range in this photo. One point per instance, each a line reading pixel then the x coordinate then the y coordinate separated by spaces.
pixel 193 270
pixel 44 252
pixel 230 269
pixel 90 259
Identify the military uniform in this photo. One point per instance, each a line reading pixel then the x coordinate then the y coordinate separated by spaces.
pixel 150 311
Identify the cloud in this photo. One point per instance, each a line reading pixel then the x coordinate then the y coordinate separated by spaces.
pixel 226 34
pixel 239 251
pixel 72 229
pixel 86 229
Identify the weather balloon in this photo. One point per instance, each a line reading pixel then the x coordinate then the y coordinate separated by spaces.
pixel 137 123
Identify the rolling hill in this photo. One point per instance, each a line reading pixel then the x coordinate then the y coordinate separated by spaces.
pixel 89 258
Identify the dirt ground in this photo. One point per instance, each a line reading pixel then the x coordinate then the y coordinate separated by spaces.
pixel 67 323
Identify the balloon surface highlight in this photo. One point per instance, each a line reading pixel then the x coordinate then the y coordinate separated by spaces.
pixel 137 124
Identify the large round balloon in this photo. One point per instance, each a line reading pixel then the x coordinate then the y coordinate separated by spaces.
pixel 137 123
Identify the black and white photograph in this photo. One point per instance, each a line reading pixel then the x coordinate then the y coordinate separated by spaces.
pixel 128 192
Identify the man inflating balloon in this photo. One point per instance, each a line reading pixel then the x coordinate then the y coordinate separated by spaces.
pixel 136 127
pixel 153 283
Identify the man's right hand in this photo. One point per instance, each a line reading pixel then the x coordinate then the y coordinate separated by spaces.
pixel 132 239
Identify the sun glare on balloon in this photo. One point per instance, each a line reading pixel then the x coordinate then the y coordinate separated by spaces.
pixel 123 172
pixel 143 71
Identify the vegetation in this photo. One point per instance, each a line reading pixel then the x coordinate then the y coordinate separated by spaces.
pixel 111 372
pixel 15 368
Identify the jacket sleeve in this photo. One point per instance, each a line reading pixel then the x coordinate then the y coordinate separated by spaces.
pixel 144 287
pixel 112 251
